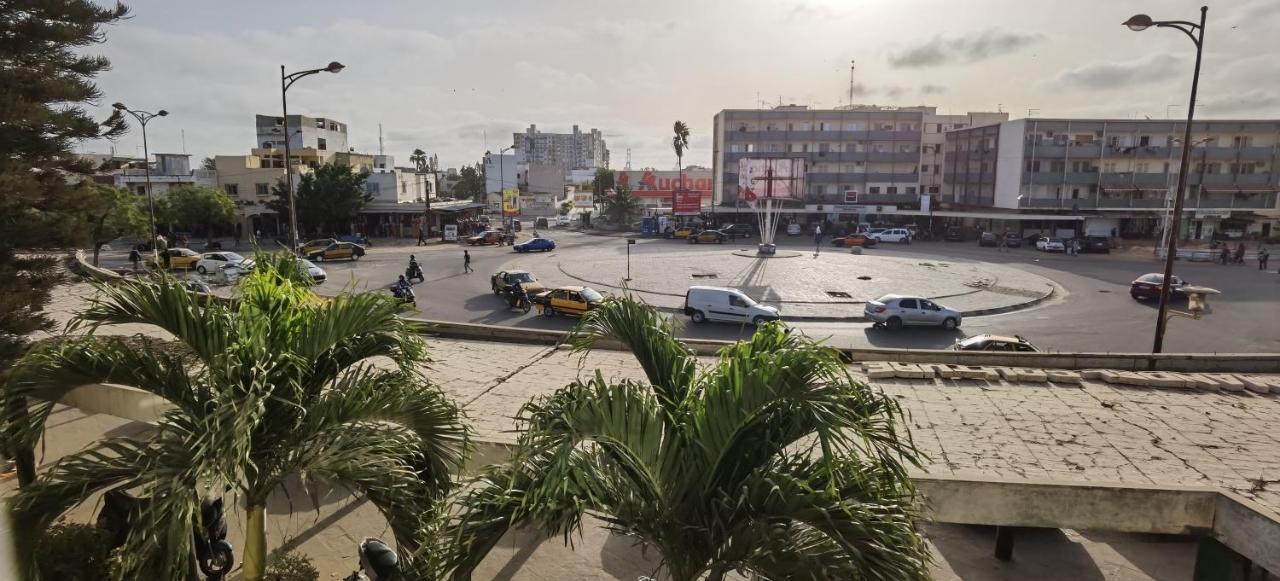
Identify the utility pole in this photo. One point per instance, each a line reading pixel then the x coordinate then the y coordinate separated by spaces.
pixel 852 66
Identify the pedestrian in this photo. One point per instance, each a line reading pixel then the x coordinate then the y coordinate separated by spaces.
pixel 1225 256
pixel 1263 255
pixel 135 257
pixel 466 262
pixel 1240 254
pixel 422 237
pixel 817 239
pixel 162 247
pixel 1002 243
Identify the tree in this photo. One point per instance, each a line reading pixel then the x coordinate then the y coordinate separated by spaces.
pixel 471 185
pixel 47 78
pixel 328 199
pixel 419 160
pixel 209 164
pixel 601 184
pixel 771 461
pixel 116 213
pixel 275 386
pixel 621 207
pixel 191 205
pixel 566 207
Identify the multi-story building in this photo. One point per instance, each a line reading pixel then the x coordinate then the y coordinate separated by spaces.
pixel 570 151
pixel 1119 175
pixel 319 133
pixel 874 154
pixel 167 170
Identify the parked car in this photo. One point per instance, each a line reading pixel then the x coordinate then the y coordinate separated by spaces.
pixel 709 303
pixel 306 248
pixel 305 266
pixel 897 311
pixel 179 258
pixel 708 236
pixel 360 239
pixel 988 342
pixel 899 235
pixel 1013 240
pixel 683 232
pixel 502 280
pixel 567 300
pixel 988 239
pixel 793 229
pixel 1096 244
pixel 212 261
pixel 738 230
pixel 563 221
pixel 486 237
pixel 854 240
pixel 1051 245
pixel 1148 286
pixel 536 244
pixel 338 251
pixel 953 234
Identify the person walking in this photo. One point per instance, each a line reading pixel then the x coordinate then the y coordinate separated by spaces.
pixel 422 237
pixel 1225 256
pixel 1002 243
pixel 817 239
pixel 1240 254
pixel 1263 255
pixel 135 257
pixel 466 262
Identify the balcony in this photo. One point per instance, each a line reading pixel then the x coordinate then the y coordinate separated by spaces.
pixel 890 199
pixel 911 177
pixel 1136 180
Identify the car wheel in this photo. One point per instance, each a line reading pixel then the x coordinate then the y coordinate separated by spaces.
pixel 495 289
pixel 759 320
pixel 893 323
pixel 698 317
pixel 200 269
pixel 1136 296
pixel 949 324
pixel 547 311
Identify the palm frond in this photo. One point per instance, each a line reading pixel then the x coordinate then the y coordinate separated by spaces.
pixel 204 326
pixel 669 365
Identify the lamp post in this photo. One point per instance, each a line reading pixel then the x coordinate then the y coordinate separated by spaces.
pixel 286 81
pixel 143 118
pixel 502 187
pixel 1195 32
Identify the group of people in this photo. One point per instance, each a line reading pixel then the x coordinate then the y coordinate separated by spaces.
pixel 1227 256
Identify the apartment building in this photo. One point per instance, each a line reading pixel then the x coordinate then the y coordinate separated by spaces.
pixel 1119 175
pixel 167 170
pixel 569 151
pixel 319 133
pixel 872 154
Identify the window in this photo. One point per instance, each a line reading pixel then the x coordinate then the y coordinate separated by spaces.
pixel 734 148
pixel 1142 167
pixel 750 147
pixel 891 190
pixel 1242 141
pixel 924 168
pixel 142 190
pixel 873 190
pixel 826 126
pixel 850 126
pixel 824 147
pixel 1109 167
pixel 1057 166
pixel 908 304
pixel 1144 141
pixel 1093 188
pixel 1075 193
pixel 911 189
pixel 736 301
pixel 933 189
pixel 937 169
pixel 321 144
pixel 262 189
pixel 232 189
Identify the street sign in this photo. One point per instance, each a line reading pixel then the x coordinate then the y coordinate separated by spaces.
pixel 631 241
pixel 850 196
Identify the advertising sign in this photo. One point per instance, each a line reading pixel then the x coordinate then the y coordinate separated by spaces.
pixel 511 202
pixel 925 199
pixel 450 232
pixel 850 196
pixel 686 203
pixel 662 223
pixel 770 178
pixel 651 183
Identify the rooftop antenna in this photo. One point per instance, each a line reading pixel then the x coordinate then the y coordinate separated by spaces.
pixel 1031 112
pixel 999 107
pixel 379 139
pixel 628 166
pixel 852 66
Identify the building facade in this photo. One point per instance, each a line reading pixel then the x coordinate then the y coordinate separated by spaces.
pixel 569 151
pixel 1120 174
pixel 318 133
pixel 168 170
pixel 868 153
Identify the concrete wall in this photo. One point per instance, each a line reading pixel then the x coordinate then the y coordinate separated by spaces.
pixel 1009 164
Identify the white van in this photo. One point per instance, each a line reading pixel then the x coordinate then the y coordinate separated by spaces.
pixel 711 303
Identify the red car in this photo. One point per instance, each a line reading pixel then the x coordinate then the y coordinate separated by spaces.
pixel 1148 286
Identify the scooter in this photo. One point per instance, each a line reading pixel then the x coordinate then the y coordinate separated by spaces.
pixel 377 562
pixel 404 293
pixel 214 555
pixel 414 271
pixel 519 300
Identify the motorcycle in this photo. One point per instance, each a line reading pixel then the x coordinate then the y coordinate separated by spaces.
pixel 214 555
pixel 518 299
pixel 378 562
pixel 414 271
pixel 404 293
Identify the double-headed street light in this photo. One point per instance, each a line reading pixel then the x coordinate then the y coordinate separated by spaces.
pixel 143 118
pixel 1195 32
pixel 286 81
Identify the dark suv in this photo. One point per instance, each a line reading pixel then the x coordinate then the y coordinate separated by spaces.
pixel 953 234
pixel 734 231
pixel 1096 244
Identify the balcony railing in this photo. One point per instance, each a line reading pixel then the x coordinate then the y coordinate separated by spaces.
pixel 1231 202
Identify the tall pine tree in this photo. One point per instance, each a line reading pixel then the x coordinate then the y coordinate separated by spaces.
pixel 45 82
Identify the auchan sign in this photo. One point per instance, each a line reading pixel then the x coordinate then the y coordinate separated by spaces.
pixel 650 183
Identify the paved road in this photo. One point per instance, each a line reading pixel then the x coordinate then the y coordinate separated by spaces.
pixel 1094 314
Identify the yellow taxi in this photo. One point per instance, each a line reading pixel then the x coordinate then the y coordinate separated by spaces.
pixel 316 245
pixel 486 237
pixel 567 300
pixel 338 251
pixel 708 236
pixel 683 232
pixel 183 258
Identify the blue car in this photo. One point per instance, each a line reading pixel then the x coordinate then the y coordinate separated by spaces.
pixel 541 244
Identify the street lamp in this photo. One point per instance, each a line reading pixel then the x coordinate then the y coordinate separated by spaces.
pixel 143 118
pixel 502 187
pixel 1195 32
pixel 286 81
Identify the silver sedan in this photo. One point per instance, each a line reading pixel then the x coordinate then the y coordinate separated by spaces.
pixel 897 311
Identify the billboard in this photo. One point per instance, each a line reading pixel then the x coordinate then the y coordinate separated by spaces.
pixel 511 202
pixel 773 178
pixel 651 183
pixel 686 203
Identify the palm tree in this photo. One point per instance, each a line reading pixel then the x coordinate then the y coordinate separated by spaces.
pixel 279 383
pixel 419 160
pixel 679 142
pixel 771 461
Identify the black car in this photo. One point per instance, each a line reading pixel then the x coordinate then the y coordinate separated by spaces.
pixel 1096 244
pixel 953 234
pixel 1013 240
pixel 987 239
pixel 735 231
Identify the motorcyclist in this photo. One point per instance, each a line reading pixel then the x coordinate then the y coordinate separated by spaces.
pixel 518 297
pixel 414 271
pixel 401 289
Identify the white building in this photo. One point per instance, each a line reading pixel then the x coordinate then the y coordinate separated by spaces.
pixel 502 171
pixel 167 170
pixel 569 151
pixel 319 133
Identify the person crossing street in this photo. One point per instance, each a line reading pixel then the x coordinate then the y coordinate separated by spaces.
pixel 466 262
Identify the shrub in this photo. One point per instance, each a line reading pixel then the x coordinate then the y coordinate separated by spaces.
pixel 290 566
pixel 73 551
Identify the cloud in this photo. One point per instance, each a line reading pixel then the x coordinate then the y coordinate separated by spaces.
pixel 893 91
pixel 940 51
pixel 931 89
pixel 1255 101
pixel 1121 74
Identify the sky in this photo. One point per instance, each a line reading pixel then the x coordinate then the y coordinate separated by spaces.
pixel 457 78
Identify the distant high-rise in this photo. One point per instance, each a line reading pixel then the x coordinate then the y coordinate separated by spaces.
pixel 569 151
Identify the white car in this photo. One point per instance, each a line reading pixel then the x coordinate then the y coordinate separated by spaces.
pixel 899 235
pixel 304 266
pixel 211 262
pixel 563 221
pixel 1051 245
pixel 709 303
